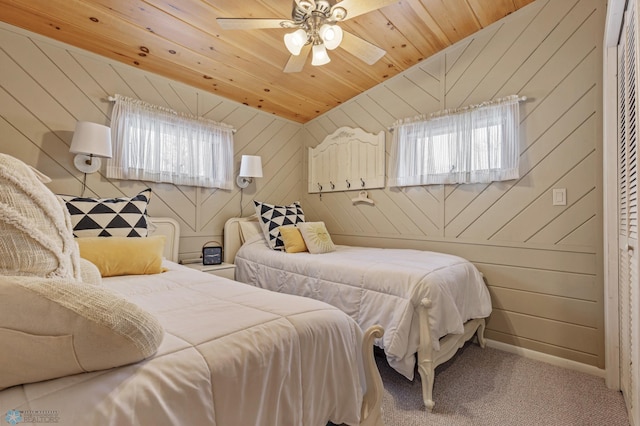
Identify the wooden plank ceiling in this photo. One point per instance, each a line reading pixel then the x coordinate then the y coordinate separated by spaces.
pixel 181 40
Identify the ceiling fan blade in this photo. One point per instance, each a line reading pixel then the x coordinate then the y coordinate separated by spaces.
pixel 362 49
pixel 253 23
pixel 359 7
pixel 296 62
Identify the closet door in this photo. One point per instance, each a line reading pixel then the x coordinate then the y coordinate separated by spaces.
pixel 629 294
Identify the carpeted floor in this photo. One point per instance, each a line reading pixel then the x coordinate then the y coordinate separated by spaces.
pixel 492 387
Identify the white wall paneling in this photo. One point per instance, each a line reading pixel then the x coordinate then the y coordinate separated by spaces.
pixel 46 86
pixel 543 263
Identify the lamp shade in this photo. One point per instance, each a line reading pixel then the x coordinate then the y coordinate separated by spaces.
pixel 331 35
pixel 295 40
pixel 320 56
pixel 251 166
pixel 91 139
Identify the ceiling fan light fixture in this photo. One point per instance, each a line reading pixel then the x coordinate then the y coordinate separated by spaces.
pixel 306 5
pixel 295 40
pixel 320 56
pixel 314 29
pixel 338 13
pixel 331 35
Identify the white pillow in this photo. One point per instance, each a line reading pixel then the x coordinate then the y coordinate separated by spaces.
pixel 68 328
pixel 316 237
pixel 89 272
pixel 248 229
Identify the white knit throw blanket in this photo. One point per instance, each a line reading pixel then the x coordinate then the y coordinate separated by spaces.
pixel 36 236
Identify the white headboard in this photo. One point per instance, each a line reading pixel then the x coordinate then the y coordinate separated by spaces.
pixel 232 237
pixel 171 229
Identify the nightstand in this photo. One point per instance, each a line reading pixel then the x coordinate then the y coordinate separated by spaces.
pixel 226 270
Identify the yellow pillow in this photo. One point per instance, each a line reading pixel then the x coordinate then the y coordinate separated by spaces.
pixel 124 255
pixel 292 239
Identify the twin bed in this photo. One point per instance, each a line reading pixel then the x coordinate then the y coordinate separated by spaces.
pixel 232 354
pixel 429 303
pixel 101 343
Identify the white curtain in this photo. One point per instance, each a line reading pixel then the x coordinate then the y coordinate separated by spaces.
pixel 478 143
pixel 157 144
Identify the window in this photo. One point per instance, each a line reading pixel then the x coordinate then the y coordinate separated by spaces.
pixel 469 145
pixel 160 145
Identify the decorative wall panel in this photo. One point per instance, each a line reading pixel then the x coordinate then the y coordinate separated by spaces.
pixel 347 160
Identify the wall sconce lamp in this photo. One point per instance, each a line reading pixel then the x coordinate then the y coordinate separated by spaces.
pixel 250 167
pixel 90 142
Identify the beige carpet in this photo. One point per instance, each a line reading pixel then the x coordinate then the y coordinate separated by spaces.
pixel 493 387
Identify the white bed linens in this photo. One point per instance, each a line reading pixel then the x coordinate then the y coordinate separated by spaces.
pixel 376 286
pixel 232 355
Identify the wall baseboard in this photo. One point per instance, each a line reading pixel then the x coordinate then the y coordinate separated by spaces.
pixel 549 359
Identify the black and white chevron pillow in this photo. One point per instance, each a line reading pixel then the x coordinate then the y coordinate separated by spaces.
pixel 109 217
pixel 273 216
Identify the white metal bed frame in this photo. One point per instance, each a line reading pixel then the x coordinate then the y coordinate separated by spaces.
pixel 427 357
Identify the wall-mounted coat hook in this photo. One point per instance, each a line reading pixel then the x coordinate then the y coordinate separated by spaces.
pixel 362 183
pixel 348 184
pixel 320 190
pixel 332 185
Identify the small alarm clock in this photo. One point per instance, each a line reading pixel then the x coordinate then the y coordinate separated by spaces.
pixel 211 255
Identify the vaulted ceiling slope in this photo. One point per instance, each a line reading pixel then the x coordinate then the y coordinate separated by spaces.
pixel 181 40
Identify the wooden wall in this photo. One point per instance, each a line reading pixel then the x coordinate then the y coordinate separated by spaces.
pixel 543 263
pixel 46 86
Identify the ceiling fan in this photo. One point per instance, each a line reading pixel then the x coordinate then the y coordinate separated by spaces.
pixel 316 31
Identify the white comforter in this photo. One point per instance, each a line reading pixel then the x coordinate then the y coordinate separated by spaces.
pixel 232 355
pixel 376 286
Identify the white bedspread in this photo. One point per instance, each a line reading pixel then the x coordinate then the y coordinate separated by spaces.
pixel 232 355
pixel 376 286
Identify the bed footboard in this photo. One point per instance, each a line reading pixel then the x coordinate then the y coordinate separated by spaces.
pixel 429 359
